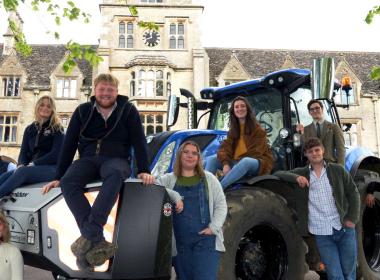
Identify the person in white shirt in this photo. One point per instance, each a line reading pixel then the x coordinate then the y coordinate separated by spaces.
pixel 11 262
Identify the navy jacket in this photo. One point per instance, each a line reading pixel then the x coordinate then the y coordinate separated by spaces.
pixel 92 135
pixel 40 146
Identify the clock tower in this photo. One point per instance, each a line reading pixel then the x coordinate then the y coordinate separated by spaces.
pixel 151 63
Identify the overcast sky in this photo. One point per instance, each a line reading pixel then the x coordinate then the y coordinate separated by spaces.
pixel 270 24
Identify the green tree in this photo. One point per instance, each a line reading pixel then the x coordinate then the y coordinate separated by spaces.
pixel 64 10
pixel 375 72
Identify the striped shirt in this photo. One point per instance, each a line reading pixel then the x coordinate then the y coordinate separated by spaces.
pixel 323 214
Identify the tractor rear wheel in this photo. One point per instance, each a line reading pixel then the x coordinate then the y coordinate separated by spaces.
pixel 261 238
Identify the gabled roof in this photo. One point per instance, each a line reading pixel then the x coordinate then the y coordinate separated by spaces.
pixel 261 62
pixel 42 62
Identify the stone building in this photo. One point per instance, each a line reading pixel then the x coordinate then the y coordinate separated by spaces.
pixel 153 64
pixel 25 79
pixel 150 64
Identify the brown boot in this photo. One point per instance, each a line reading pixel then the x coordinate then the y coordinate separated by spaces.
pixel 81 246
pixel 101 252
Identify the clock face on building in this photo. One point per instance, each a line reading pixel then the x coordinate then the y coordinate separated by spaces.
pixel 151 38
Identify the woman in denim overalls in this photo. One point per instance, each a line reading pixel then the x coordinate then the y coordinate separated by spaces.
pixel 199 217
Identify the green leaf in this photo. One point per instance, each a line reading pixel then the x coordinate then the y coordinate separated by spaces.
pixel 10 5
pixel 56 35
pixel 57 20
pixel 372 13
pixel 375 73
pixel 133 10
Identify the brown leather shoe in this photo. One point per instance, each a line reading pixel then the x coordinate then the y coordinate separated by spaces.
pixel 101 252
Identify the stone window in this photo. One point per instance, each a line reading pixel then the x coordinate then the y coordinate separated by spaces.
pixel 122 36
pixel 150 83
pixel 8 128
pixel 122 27
pixel 66 88
pixel 65 119
pixel 177 36
pixel 10 86
pixel 351 136
pixel 168 84
pixel 129 28
pixel 341 96
pixel 152 122
pixel 130 41
pixel 121 41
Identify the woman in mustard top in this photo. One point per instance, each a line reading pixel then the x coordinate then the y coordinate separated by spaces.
pixel 245 151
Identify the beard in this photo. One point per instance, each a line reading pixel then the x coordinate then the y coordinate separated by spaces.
pixel 105 103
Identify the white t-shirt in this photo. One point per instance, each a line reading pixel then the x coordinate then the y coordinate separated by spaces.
pixel 11 262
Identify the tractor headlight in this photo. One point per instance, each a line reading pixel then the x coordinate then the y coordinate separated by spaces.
pixel 284 133
pixel 163 162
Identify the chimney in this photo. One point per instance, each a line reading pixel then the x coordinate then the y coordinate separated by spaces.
pixel 9 40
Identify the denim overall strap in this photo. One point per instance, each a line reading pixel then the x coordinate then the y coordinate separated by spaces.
pixel 203 203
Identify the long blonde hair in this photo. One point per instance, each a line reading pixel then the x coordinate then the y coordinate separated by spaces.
pixel 177 169
pixel 55 123
pixel 6 235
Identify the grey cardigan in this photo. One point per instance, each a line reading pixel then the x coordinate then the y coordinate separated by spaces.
pixel 216 199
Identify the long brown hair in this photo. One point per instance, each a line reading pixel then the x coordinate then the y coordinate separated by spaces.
pixel 6 235
pixel 177 169
pixel 250 119
pixel 55 123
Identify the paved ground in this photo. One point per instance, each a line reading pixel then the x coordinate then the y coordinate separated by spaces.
pixel 32 273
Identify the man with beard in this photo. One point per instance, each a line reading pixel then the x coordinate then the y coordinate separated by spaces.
pixel 103 130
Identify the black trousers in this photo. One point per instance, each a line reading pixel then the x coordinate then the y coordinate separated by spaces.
pixel 113 172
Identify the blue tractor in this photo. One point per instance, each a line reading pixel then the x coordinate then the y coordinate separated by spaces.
pixel 261 231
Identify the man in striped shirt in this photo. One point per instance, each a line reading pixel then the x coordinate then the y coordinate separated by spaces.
pixel 333 206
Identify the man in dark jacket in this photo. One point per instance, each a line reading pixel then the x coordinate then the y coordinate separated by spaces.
pixel 103 130
pixel 331 204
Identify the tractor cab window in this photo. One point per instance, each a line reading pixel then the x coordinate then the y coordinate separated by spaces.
pixel 299 100
pixel 267 106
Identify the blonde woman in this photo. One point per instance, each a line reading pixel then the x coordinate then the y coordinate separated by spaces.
pixel 199 218
pixel 11 262
pixel 40 149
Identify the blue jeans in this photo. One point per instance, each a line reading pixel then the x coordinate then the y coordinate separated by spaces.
pixel 25 175
pixel 113 172
pixel 339 252
pixel 245 166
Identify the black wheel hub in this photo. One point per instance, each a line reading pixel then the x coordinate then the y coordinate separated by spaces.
pixel 261 254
